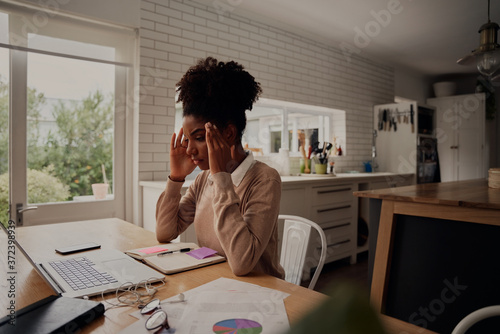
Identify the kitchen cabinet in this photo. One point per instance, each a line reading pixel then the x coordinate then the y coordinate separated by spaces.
pixel 326 200
pixel 460 130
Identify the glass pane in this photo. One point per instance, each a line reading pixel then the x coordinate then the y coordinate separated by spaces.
pixel 263 132
pixel 4 134
pixel 70 128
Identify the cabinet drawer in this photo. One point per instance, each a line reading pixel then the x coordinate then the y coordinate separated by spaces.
pixel 331 212
pixel 331 194
pixel 339 250
pixel 336 232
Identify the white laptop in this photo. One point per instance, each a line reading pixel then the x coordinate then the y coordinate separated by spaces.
pixel 109 269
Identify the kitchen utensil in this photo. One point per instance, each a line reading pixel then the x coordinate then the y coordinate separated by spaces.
pixel 411 119
pixel 384 119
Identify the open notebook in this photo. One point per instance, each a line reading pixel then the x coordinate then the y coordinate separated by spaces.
pixel 172 258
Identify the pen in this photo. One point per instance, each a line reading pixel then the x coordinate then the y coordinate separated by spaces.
pixel 182 250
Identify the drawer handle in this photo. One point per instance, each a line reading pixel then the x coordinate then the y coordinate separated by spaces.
pixel 339 243
pixel 333 209
pixel 338 226
pixel 333 190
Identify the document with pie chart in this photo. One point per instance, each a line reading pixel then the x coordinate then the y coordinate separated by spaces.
pixel 234 312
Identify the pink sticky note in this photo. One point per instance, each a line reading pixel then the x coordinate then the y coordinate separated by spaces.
pixel 202 253
pixel 154 249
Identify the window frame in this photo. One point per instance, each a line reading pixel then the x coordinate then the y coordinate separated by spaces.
pixel 124 163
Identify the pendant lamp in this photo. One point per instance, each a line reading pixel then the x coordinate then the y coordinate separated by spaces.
pixel 487 55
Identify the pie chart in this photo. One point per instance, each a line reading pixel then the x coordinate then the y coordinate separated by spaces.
pixel 237 326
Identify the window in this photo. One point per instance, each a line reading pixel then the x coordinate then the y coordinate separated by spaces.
pixel 69 88
pixel 274 124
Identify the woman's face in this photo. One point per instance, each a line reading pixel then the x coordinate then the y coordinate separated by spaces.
pixel 194 140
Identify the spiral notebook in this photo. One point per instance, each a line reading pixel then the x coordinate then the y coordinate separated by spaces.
pixel 172 258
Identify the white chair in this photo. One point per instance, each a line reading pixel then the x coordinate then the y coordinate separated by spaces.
pixel 296 236
pixel 476 316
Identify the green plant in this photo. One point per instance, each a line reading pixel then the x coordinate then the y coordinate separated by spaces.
pixel 43 187
pixel 80 145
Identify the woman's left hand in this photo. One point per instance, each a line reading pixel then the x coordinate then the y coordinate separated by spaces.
pixel 219 151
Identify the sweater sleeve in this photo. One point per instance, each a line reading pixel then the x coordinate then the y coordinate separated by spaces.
pixel 244 236
pixel 174 213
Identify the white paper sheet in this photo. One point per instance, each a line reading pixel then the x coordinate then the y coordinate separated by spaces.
pixel 270 299
pixel 215 307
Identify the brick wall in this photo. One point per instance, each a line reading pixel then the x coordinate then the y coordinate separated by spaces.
pixel 174 34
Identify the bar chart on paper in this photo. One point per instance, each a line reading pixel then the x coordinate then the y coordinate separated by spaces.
pixel 237 326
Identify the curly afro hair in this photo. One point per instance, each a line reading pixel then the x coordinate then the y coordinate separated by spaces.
pixel 218 92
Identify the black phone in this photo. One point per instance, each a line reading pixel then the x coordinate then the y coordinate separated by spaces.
pixel 77 248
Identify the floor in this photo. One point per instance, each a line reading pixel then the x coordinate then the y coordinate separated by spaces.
pixel 342 270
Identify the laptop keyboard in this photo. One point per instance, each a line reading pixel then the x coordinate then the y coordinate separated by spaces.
pixel 80 274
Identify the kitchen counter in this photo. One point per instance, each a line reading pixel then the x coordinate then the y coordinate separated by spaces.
pixel 427 236
pixel 325 199
pixel 471 193
pixel 313 178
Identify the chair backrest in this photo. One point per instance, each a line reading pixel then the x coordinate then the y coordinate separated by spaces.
pixel 475 317
pixel 296 238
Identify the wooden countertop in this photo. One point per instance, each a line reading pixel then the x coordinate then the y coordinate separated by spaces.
pixel 311 178
pixel 470 193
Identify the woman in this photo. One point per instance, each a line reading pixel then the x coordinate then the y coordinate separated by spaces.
pixel 234 202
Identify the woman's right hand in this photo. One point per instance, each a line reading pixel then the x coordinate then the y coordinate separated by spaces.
pixel 181 164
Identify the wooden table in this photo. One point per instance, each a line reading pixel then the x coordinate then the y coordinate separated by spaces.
pixel 464 201
pixel 40 242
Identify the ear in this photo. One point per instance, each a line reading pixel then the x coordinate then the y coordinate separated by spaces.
pixel 230 133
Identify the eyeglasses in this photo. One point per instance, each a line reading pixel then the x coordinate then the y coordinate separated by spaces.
pixel 158 319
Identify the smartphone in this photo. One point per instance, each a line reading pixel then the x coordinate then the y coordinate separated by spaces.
pixel 77 248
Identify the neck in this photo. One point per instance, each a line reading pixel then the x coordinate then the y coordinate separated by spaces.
pixel 238 154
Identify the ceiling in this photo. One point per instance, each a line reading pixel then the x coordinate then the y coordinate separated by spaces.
pixel 427 36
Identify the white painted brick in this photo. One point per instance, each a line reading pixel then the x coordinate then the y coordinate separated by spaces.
pixel 207 15
pixel 205 47
pixel 168 12
pixel 160 157
pixel 153 35
pixel 145 137
pixel 152 53
pixel 205 31
pixel 181 7
pixel 168 65
pixel 147 43
pixel 239 47
pixel 217 42
pixel 148 6
pixel 151 148
pixel 145 119
pixel 152 166
pixel 158 119
pixel 239 32
pixel 161 138
pixel 168 47
pixel 168 30
pixel 163 101
pixel 195 36
pixel 180 41
pixel 152 110
pixel 227 36
pixel 196 20
pixel 160 176
pixel 146 157
pixel 147 24
pixel 180 24
pixel 218 26
pixel 228 53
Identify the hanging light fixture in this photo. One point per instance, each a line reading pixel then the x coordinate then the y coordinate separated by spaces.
pixel 487 55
